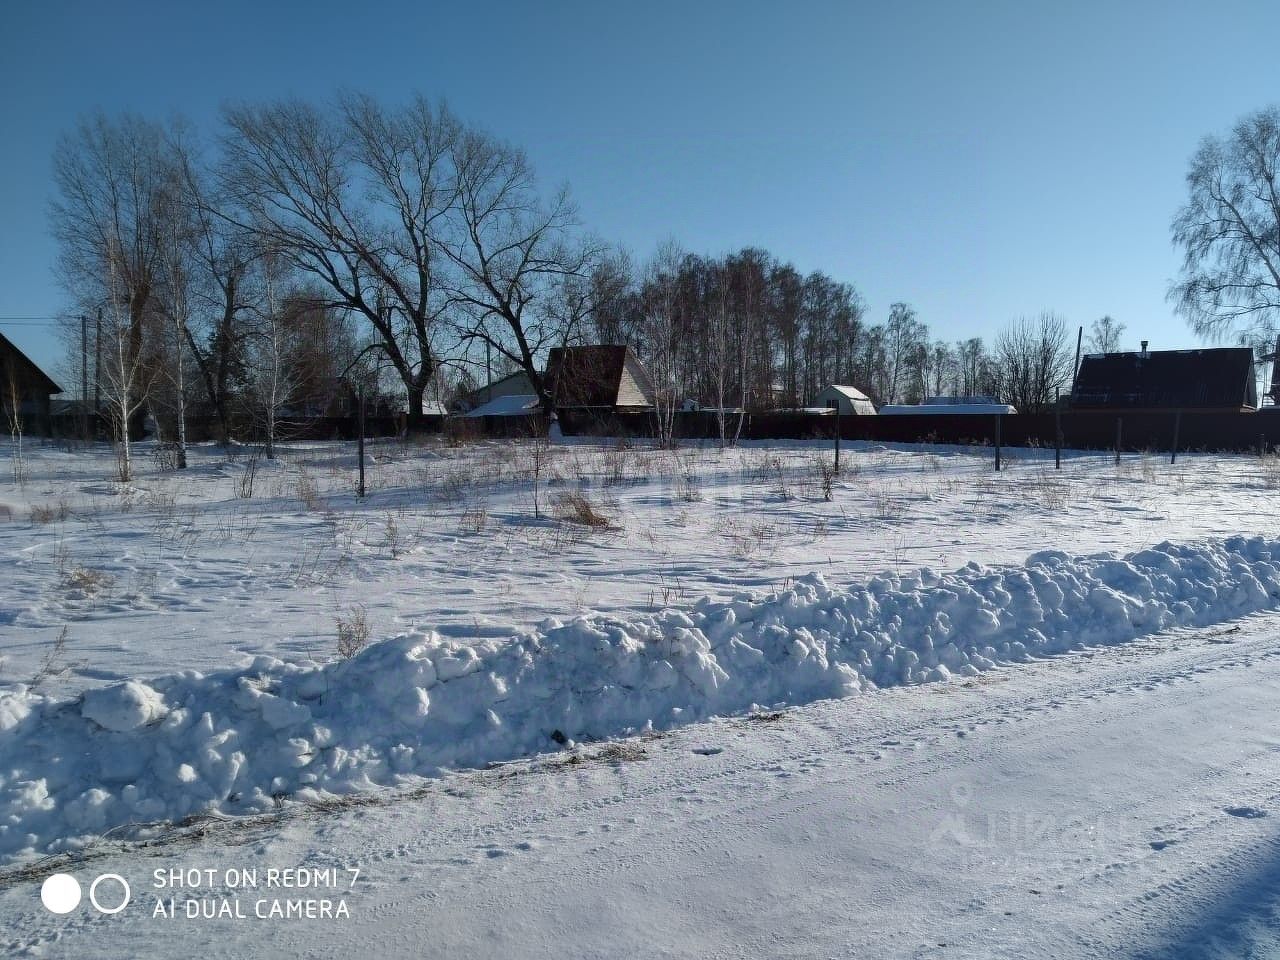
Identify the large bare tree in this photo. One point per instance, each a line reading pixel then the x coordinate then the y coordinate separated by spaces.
pixel 523 278
pixel 1033 358
pixel 1229 232
pixel 219 258
pixel 353 197
pixel 109 218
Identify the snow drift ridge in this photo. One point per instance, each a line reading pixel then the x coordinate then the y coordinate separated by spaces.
pixel 232 741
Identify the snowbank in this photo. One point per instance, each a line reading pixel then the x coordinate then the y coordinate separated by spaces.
pixel 235 741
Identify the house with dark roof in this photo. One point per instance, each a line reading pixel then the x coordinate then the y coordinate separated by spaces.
pixel 598 379
pixel 32 388
pixel 1220 378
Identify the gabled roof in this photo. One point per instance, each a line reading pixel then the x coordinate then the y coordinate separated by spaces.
pixel 1221 377
pixel 957 409
pixel 511 405
pixel 592 376
pixel 36 376
pixel 853 393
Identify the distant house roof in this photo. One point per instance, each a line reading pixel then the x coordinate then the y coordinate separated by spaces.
pixel 853 393
pixel 901 409
pixel 1217 378
pixel 514 383
pixel 951 401
pixel 597 376
pixel 512 405
pixel 32 379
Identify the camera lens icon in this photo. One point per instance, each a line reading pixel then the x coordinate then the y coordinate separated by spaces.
pixel 60 893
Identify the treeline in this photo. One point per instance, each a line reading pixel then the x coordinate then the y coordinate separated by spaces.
pixel 751 331
pixel 304 253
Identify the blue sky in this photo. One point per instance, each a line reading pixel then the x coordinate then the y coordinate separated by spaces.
pixel 977 160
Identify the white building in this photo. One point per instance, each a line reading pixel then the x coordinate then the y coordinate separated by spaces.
pixel 850 401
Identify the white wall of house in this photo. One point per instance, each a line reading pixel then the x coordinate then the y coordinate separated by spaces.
pixel 848 405
pixel 634 387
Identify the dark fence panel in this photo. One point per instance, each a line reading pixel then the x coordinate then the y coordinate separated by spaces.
pixel 1081 429
pixel 1210 430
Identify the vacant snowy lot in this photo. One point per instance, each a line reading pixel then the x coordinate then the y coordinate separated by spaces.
pixel 230 558
pixel 248 640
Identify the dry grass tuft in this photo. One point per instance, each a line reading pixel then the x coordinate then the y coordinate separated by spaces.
pixel 578 508
pixel 353 631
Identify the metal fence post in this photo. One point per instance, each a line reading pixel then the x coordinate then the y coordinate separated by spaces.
pixel 1057 437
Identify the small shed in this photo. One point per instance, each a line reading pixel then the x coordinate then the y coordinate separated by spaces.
pixel 850 401
pixel 1220 378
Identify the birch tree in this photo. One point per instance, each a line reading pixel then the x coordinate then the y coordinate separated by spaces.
pixel 1229 232
pixel 268 355
pixel 660 337
pixel 126 375
pixel 109 222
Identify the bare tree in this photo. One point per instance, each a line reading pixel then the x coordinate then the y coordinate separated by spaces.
pixel 1104 335
pixel 220 257
pixel 109 221
pixel 971 363
pixel 11 404
pixel 176 265
pixel 516 257
pixel 1034 360
pixel 1229 231
pixel 726 358
pixel 268 356
pixel 354 199
pixel 905 339
pixel 660 336
pixel 127 376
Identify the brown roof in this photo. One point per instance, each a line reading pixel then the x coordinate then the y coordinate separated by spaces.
pixel 34 376
pixel 586 376
pixel 1220 377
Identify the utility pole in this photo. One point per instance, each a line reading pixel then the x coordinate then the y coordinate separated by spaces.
pixel 837 435
pixel 1075 371
pixel 360 439
pixel 97 369
pixel 84 378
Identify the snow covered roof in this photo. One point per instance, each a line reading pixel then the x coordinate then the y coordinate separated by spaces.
pixel 516 405
pixel 853 393
pixel 847 398
pixel 899 409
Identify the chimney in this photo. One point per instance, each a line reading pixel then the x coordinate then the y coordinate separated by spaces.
pixel 1144 348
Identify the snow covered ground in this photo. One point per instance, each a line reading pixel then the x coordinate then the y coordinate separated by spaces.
pixel 171 651
pixel 1113 803
pixel 178 571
